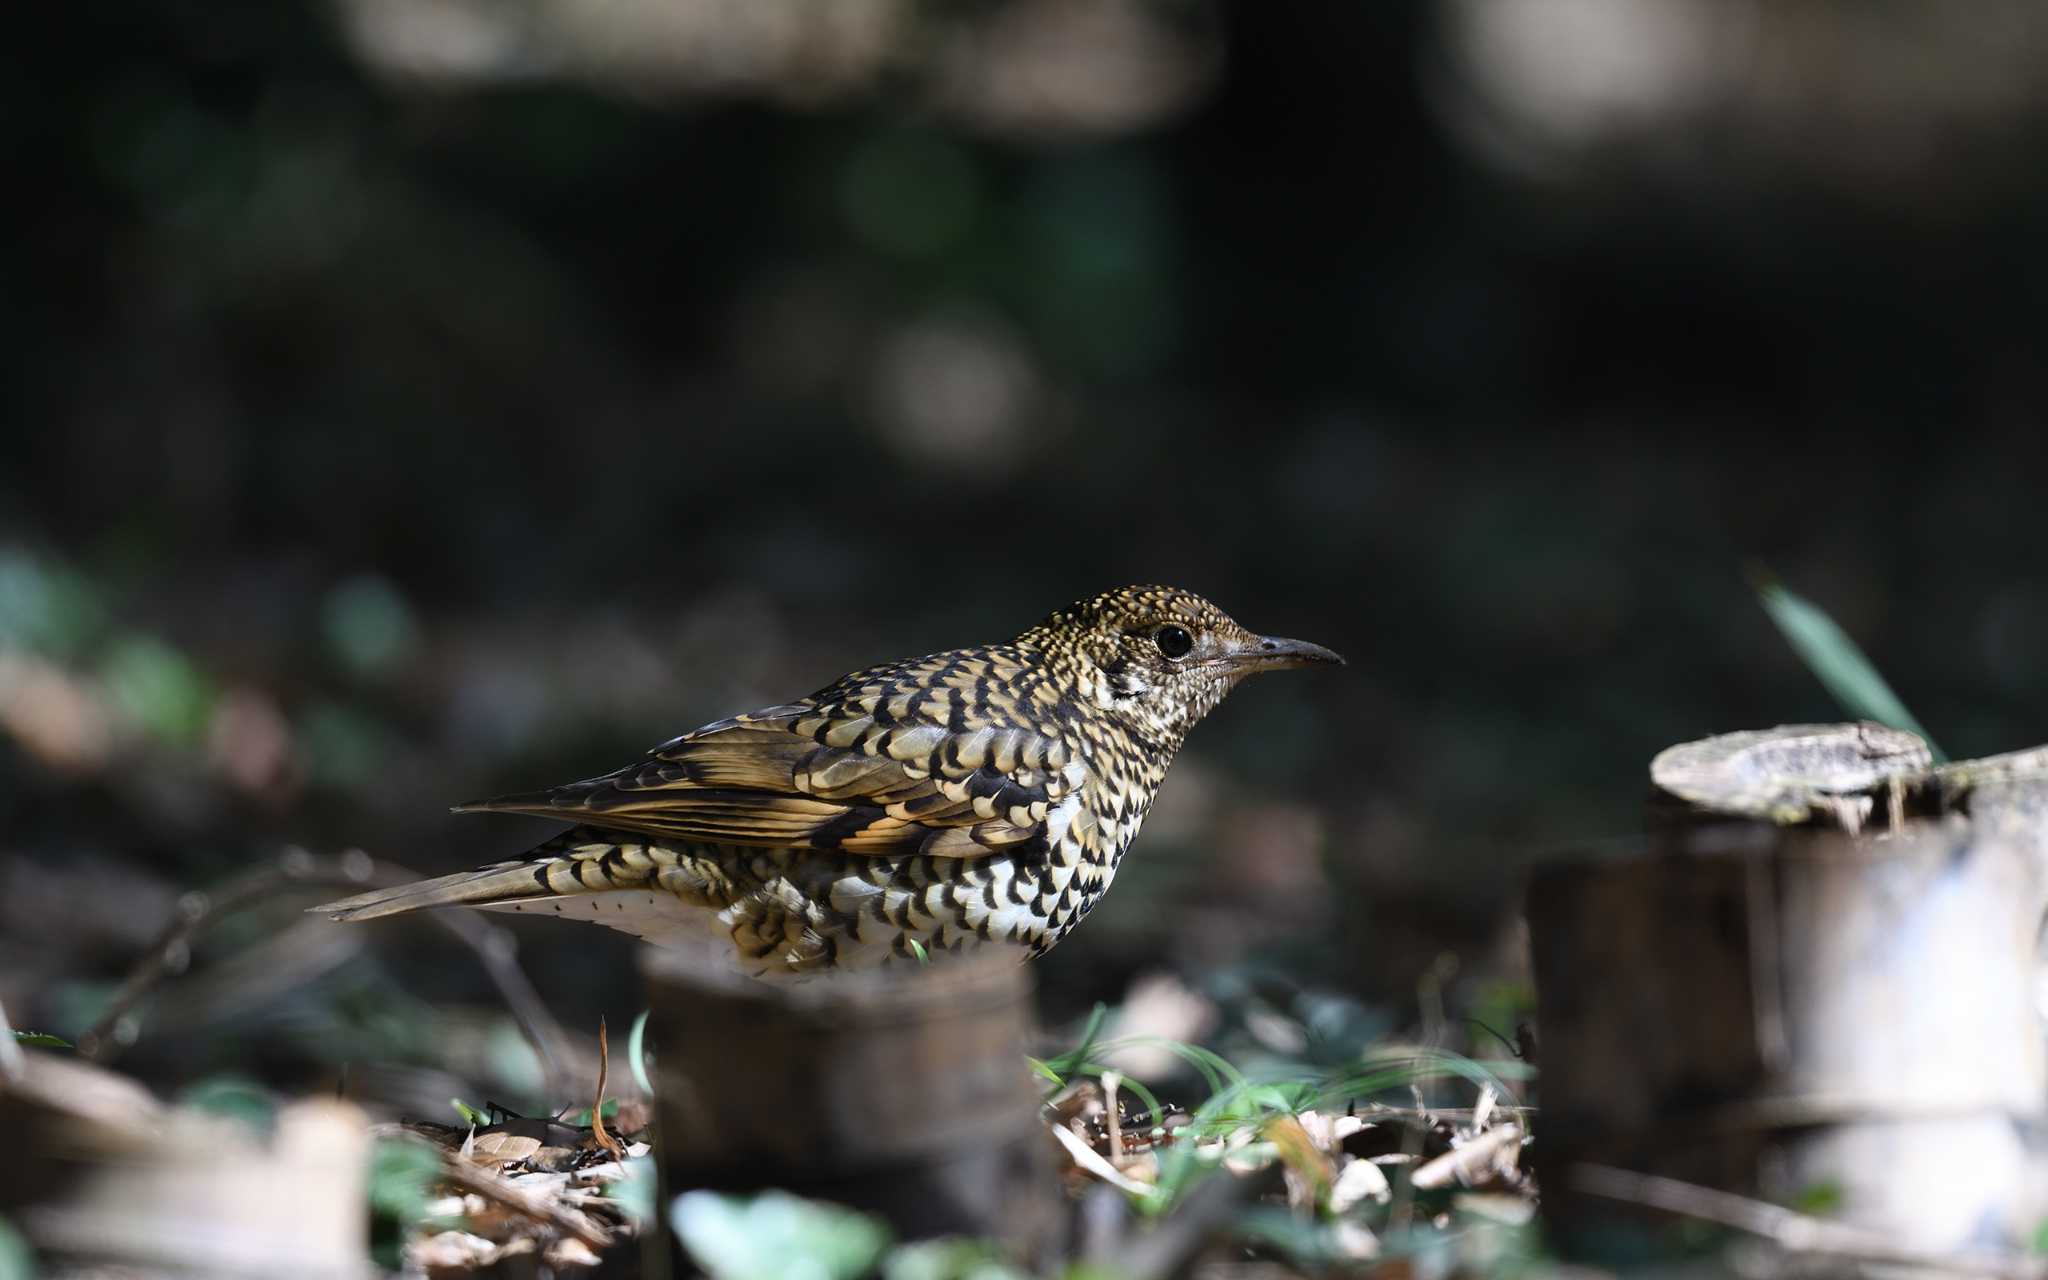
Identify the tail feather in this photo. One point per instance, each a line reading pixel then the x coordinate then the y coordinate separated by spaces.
pixel 485 886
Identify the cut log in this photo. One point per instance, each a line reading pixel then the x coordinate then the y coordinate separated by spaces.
pixel 1822 981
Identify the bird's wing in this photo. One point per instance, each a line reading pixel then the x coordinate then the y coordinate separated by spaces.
pixel 872 773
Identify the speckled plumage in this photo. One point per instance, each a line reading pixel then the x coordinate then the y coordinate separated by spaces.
pixel 980 796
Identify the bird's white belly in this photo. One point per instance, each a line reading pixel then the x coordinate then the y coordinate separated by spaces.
pixel 650 914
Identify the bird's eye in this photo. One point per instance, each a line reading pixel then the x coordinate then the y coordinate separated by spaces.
pixel 1174 642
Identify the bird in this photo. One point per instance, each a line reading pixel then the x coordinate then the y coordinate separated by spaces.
pixel 972 799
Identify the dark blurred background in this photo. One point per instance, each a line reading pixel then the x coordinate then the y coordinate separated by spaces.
pixel 418 399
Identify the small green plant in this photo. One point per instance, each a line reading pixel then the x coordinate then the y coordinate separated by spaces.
pixel 1240 1101
pixel 41 1040
pixel 1061 1071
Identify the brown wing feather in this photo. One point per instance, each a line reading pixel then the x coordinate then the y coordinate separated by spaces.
pixel 825 776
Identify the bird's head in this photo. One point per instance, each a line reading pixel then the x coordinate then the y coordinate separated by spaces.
pixel 1162 657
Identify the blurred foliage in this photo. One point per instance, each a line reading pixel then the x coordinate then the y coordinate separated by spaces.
pixel 948 1260
pixel 235 1097
pixel 17 1262
pixel 401 1173
pixel 158 688
pixel 775 1236
pixel 46 608
pixel 367 625
pixel 638 1190
pixel 1822 1199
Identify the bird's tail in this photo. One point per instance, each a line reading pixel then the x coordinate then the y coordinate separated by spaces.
pixel 578 861
pixel 485 886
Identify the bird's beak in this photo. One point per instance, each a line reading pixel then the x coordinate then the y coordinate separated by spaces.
pixel 1273 653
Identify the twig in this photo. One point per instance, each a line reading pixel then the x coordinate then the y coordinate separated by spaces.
pixel 1788 1229
pixel 1483 1110
pixel 1110 1080
pixel 1459 1164
pixel 198 911
pixel 530 1204
pixel 612 1145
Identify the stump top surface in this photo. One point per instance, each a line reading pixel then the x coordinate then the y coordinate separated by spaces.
pixel 1788 773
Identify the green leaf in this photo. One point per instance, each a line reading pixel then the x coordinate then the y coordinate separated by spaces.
pixel 636 1053
pixel 917 949
pixel 41 1040
pixel 1069 1062
pixel 775 1236
pixel 470 1115
pixel 1841 666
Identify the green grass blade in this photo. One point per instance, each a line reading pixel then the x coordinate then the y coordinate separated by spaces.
pixel 1840 665
pixel 1066 1064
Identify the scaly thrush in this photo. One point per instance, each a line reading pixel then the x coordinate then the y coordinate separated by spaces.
pixel 977 797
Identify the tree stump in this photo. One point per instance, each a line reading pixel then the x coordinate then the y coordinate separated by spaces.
pixel 1823 984
pixel 903 1092
pixel 105 1179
